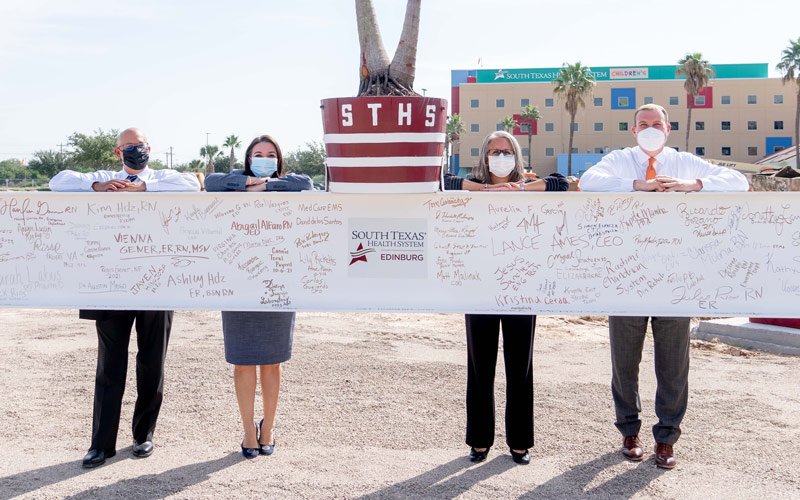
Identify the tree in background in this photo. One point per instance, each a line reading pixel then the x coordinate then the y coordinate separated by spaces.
pixel 309 160
pixel 455 127
pixel 210 154
pixel 12 168
pixel 509 124
pixel 46 163
pixel 530 114
pixel 790 67
pixel 232 142
pixel 93 152
pixel 698 73
pixel 378 75
pixel 574 83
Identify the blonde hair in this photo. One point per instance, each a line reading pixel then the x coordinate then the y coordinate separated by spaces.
pixel 651 107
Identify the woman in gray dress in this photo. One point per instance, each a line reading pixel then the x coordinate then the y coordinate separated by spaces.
pixel 256 343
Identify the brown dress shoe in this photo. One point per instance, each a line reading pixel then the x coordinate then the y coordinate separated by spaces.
pixel 664 457
pixel 632 448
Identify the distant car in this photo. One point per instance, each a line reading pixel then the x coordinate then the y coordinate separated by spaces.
pixel 319 186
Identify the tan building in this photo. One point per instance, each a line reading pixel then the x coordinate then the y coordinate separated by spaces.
pixel 742 116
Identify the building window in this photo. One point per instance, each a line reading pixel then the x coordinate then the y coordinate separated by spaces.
pixel 574 127
pixel 699 100
pixel 726 151
pixel 574 151
pixel 474 151
pixel 778 125
pixel 674 126
pixel 700 151
pixel 499 127
pixel 623 126
pixel 548 102
pixel 622 102
pixel 673 100
pixel 598 151
pixel 726 99
pixel 474 127
pixel 751 99
pixel 523 127
pixel 598 101
pixel 549 151
pixel 474 103
pixel 501 103
pixel 598 126
pixel 623 98
pixel 699 125
pixel 648 100
pixel 524 102
pixel 525 152
pixel 752 151
pixel 725 125
pixel 752 125
pixel 777 99
pixel 549 127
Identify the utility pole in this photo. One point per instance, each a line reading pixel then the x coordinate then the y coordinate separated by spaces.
pixel 170 157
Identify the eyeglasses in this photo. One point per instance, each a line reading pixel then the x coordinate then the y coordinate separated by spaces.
pixel 131 147
pixel 498 152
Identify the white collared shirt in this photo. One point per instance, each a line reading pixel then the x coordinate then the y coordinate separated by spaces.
pixel 155 180
pixel 617 170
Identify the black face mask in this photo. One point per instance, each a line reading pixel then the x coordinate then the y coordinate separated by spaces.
pixel 135 157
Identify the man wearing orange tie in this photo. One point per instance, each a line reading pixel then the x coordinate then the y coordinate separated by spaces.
pixel 651 166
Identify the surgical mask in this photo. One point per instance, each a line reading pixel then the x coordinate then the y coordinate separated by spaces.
pixel 263 166
pixel 135 157
pixel 502 165
pixel 651 139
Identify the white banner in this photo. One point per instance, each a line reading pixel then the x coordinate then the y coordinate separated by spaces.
pixel 701 254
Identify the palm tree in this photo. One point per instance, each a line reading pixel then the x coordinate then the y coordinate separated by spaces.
pixel 455 127
pixel 698 73
pixel 211 153
pixel 232 142
pixel 530 114
pixel 790 67
pixel 378 75
pixel 509 124
pixel 574 83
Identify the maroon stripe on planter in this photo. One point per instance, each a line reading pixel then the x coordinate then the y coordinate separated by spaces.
pixel 384 174
pixel 353 115
pixel 386 149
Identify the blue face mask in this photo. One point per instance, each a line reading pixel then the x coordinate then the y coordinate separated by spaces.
pixel 264 167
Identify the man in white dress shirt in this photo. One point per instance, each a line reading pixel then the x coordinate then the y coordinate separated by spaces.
pixel 651 166
pixel 114 327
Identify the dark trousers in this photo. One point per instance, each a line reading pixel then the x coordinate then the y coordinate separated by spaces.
pixel 113 336
pixel 671 347
pixel 483 333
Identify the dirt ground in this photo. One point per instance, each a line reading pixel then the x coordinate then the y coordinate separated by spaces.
pixel 372 406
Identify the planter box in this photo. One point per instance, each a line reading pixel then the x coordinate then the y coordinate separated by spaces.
pixel 760 182
pixel 384 144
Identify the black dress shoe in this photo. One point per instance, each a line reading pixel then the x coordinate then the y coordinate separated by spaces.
pixel 142 450
pixel 96 457
pixel 521 458
pixel 478 456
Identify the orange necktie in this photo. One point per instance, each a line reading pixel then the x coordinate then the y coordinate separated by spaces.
pixel 651 171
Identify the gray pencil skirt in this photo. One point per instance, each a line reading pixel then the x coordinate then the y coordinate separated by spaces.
pixel 257 338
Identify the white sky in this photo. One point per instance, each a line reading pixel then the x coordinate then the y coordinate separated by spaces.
pixel 181 68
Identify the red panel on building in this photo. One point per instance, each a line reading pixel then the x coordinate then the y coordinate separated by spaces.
pixel 520 121
pixel 707 93
pixel 455 93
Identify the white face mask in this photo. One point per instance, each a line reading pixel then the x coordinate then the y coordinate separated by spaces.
pixel 651 139
pixel 502 165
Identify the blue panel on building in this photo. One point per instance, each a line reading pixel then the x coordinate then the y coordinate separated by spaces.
pixel 454 163
pixel 777 143
pixel 580 162
pixel 623 98
pixel 458 76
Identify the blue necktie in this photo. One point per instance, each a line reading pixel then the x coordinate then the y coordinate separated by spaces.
pixel 133 178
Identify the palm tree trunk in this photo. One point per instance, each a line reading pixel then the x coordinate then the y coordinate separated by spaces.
pixel 374 62
pixel 230 167
pixel 569 151
pixel 530 134
pixel 404 63
pixel 688 127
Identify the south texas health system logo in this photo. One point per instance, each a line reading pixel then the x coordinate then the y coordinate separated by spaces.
pixel 388 248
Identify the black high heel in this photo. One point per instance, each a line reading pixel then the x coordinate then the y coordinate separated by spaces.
pixel 250 453
pixel 265 449
pixel 521 458
pixel 478 456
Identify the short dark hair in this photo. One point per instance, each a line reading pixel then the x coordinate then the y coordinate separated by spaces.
pixel 257 140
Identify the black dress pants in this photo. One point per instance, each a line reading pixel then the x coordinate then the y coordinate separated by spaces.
pixel 483 331
pixel 113 336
